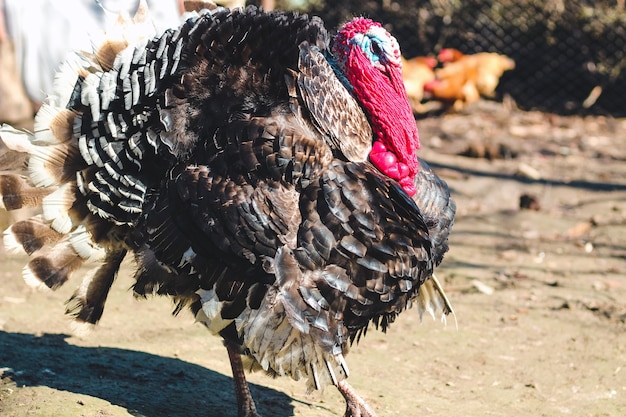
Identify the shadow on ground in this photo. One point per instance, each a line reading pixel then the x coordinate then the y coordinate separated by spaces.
pixel 145 384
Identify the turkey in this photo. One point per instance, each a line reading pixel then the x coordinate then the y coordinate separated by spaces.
pixel 259 171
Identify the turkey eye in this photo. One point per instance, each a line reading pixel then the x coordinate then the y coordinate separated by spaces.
pixel 376 48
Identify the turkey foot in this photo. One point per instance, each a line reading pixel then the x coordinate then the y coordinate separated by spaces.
pixel 245 403
pixel 355 404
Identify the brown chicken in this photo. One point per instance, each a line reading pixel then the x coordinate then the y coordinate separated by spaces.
pixel 489 67
pixel 454 85
pixel 464 78
pixel 416 72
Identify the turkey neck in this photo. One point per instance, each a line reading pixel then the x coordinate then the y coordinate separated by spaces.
pixel 384 99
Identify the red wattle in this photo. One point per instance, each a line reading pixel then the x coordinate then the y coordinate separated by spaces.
pixel 387 162
pixel 392 172
pixel 389 159
pixel 403 169
pixel 378 147
pixel 408 186
pixel 384 160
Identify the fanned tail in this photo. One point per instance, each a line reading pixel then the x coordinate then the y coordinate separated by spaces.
pixel 47 170
pixel 17 193
pixel 56 238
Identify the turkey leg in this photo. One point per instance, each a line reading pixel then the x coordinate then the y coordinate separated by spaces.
pixel 245 403
pixel 355 404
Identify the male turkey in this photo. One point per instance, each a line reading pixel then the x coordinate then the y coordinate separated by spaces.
pixel 262 174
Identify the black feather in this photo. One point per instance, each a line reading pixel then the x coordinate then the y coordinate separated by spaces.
pixel 232 161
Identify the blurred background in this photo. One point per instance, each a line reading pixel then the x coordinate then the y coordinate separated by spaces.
pixel 569 55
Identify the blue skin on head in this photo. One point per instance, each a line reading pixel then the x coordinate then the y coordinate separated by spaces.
pixel 378 46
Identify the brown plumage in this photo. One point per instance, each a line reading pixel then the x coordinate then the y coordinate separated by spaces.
pixel 230 157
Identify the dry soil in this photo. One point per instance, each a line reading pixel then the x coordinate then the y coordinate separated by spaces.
pixel 539 294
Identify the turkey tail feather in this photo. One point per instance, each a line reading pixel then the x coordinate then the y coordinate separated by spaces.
pixel 16 193
pixel 54 267
pixel 56 166
pixel 87 303
pixel 30 235
pixel 54 270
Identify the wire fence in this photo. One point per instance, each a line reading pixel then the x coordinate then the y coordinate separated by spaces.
pixel 570 54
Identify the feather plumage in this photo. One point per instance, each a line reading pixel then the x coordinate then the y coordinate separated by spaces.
pixel 231 157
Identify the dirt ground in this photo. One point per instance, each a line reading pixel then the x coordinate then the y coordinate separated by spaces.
pixel 539 293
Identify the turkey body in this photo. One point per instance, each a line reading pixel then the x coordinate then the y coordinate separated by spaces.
pixel 230 157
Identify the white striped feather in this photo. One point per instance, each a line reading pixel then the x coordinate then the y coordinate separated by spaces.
pixel 39 232
pixel 135 89
pixel 53 125
pixel 432 299
pixel 61 259
pixel 115 133
pixel 90 96
pixel 107 88
pixel 10 242
pixel 280 347
pixel 96 189
pixel 121 122
pixel 139 55
pixel 65 80
pixel 15 139
pixel 56 208
pixel 176 56
pixel 149 77
pixel 135 147
pixel 32 280
pixel 102 213
pixel 111 170
pixel 128 92
pixel 84 246
pixel 47 162
pixel 80 183
pixel 130 208
pixel 210 314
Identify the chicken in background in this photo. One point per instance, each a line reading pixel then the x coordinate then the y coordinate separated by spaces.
pixel 416 72
pixel 455 87
pixel 464 78
pixel 489 67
